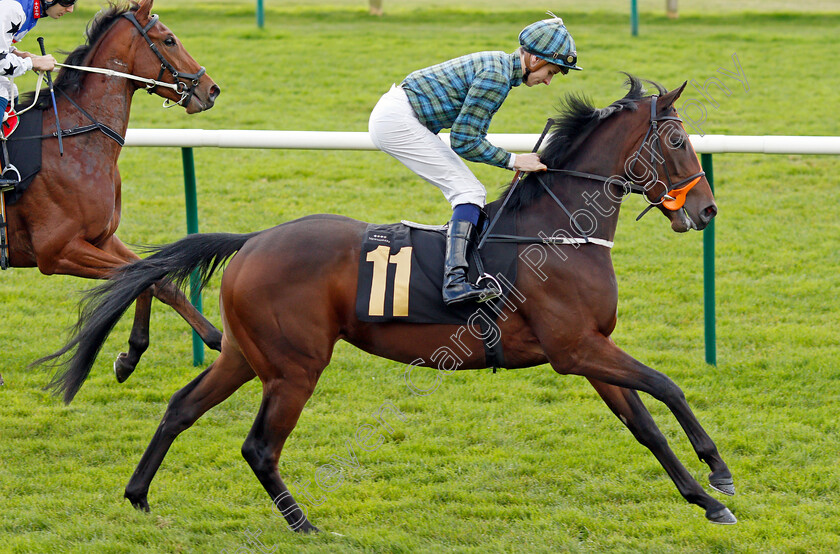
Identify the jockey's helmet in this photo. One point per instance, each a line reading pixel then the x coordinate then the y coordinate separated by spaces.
pixel 550 41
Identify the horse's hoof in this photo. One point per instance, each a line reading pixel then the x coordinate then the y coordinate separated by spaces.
pixel 723 485
pixel 306 528
pixel 214 341
pixel 722 517
pixel 121 369
pixel 140 502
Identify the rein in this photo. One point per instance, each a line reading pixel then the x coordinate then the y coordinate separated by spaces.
pixel 179 86
pixel 671 201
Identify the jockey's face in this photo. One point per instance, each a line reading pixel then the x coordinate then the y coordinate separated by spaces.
pixel 544 74
pixel 57 10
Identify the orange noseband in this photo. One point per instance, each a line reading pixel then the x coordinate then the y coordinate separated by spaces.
pixel 677 196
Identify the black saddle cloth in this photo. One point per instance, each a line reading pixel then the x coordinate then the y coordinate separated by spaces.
pixel 388 291
pixel 24 148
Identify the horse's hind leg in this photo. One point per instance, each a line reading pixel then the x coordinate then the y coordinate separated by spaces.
pixel 224 376
pixel 282 403
pixel 628 407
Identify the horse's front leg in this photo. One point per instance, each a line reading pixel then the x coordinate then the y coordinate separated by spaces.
pixel 628 407
pixel 598 358
pixel 138 339
pixel 83 259
pixel 172 296
pixel 80 258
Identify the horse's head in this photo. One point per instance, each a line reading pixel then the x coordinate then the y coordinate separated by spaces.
pixel 164 58
pixel 665 164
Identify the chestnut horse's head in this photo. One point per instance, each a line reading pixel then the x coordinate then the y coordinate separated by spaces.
pixel 161 56
pixel 665 165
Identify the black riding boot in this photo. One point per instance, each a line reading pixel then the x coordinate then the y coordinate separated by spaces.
pixel 456 284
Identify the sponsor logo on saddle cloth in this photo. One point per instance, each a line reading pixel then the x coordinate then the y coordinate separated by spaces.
pixel 401 275
pixel 10 121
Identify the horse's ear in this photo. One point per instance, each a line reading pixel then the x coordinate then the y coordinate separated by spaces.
pixel 144 10
pixel 669 98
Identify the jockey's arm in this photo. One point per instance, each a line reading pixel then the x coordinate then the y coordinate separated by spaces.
pixel 39 63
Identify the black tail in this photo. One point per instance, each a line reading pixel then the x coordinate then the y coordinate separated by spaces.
pixel 103 306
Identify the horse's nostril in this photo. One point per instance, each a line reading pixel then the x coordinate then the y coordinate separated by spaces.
pixel 707 214
pixel 215 91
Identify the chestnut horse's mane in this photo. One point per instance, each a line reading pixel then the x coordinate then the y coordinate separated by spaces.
pixel 571 127
pixel 70 80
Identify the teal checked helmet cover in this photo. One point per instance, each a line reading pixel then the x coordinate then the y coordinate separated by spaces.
pixel 550 40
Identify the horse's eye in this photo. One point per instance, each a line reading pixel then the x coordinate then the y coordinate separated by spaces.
pixel 169 41
pixel 677 140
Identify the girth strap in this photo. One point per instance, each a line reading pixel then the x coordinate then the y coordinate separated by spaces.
pixel 493 354
pixel 4 244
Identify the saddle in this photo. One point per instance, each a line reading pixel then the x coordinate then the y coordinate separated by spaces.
pixel 401 273
pixel 20 160
pixel 401 276
pixel 20 156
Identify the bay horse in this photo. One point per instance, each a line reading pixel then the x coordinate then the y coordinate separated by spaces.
pixel 65 222
pixel 288 294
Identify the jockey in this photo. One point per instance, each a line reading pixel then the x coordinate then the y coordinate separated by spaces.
pixel 463 94
pixel 17 17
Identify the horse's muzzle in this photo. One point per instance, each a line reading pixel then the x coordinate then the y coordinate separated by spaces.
pixel 202 101
pixel 214 93
pixel 707 214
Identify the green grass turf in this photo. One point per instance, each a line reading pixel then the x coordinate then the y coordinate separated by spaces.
pixel 522 460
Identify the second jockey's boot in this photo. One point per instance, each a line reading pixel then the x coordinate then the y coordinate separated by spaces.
pixel 456 285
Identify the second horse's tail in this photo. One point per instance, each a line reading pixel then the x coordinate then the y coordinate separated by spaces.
pixel 103 306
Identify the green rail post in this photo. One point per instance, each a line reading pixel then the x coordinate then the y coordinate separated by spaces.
pixel 191 202
pixel 260 14
pixel 709 270
pixel 634 17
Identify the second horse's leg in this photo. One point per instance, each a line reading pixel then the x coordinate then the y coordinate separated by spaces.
pixel 138 340
pixel 172 296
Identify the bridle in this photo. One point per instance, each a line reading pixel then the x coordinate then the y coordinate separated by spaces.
pixel 181 80
pixel 179 86
pixel 672 198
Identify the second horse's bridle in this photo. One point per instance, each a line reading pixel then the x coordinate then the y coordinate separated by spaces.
pixel 181 79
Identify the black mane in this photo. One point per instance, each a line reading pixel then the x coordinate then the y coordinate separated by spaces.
pixel 576 122
pixel 70 80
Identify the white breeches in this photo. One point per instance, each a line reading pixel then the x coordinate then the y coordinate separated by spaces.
pixel 395 129
pixel 8 89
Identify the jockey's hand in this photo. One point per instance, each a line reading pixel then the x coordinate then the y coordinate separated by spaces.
pixel 528 162
pixel 43 63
